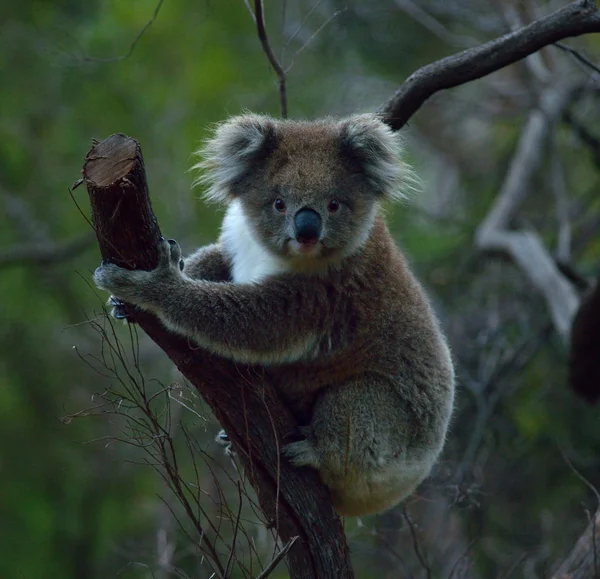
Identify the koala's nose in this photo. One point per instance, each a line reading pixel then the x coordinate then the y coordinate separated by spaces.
pixel 308 226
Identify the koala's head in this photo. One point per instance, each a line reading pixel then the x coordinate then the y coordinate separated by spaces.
pixel 308 190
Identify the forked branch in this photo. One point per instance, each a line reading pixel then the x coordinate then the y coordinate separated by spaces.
pixel 575 19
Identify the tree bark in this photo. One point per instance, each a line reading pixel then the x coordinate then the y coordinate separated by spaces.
pixel 248 407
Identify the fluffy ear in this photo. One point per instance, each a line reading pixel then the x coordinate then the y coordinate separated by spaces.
pixel 230 154
pixel 374 150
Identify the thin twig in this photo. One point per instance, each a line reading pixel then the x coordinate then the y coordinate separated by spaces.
pixel 577 55
pixel 471 544
pixel 264 40
pixel 251 12
pixel 314 35
pixel 132 45
pixel 301 25
pixel 584 480
pixel 236 528
pixel 415 541
pixel 434 26
pixel 585 136
pixel 271 566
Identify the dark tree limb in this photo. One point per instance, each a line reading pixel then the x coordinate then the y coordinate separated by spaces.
pixel 583 562
pixel 575 19
pixel 249 407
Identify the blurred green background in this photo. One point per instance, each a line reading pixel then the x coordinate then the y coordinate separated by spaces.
pixel 74 503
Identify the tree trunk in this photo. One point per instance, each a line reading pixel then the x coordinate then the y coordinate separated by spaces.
pixel 248 407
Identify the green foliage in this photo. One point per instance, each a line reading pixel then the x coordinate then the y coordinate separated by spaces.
pixel 69 509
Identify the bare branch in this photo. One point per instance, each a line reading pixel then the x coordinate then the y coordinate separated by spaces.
pixel 250 11
pixel 314 35
pixel 584 480
pixel 434 26
pixel 585 136
pixel 525 247
pixel 577 18
pixel 415 541
pixel 264 40
pixel 132 45
pixel 301 25
pixel 277 559
pixel 577 55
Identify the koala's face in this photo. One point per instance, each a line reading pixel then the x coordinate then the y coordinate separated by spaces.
pixel 309 190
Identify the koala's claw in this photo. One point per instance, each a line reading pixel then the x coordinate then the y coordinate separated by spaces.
pixel 119 310
pixel 302 453
pixel 223 439
pixel 172 252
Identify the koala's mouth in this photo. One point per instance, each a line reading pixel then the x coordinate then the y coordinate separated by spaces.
pixel 312 248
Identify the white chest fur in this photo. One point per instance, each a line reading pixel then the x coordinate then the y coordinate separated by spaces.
pixel 251 262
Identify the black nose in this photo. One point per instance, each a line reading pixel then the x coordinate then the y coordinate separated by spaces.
pixel 308 226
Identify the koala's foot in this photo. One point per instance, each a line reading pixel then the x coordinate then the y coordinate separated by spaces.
pixel 303 452
pixel 223 439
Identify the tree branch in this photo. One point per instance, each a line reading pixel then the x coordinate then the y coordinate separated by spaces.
pixel 580 17
pixel 294 500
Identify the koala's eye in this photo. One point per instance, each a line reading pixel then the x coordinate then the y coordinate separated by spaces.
pixel 333 206
pixel 279 205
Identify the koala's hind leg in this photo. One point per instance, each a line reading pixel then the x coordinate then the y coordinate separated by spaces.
pixel 358 440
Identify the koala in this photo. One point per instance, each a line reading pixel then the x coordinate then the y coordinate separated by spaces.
pixel 307 283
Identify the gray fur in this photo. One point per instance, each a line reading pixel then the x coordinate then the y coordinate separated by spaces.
pixel 343 327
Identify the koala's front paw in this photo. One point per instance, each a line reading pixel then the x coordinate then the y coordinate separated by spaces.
pixel 122 283
pixel 138 287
